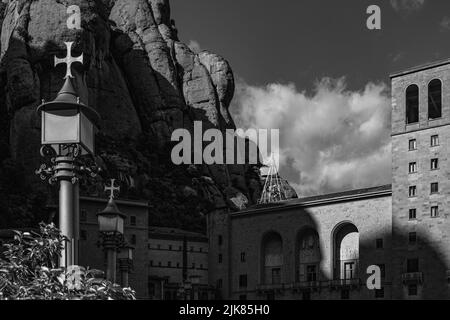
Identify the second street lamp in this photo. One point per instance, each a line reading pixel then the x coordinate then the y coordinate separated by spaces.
pixel 111 222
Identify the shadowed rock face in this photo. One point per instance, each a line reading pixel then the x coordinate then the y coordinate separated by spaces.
pixel 141 79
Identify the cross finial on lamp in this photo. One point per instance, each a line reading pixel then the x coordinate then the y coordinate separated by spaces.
pixel 111 189
pixel 68 60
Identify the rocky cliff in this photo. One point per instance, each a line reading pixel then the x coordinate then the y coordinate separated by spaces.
pixel 143 81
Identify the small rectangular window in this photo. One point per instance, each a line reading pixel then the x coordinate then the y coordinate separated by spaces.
pixel 412 191
pixel 434 140
pixel 193 265
pixel 412 214
pixel 133 239
pixel 412 290
pixel 169 264
pixel 412 238
pixel 220 240
pixel 83 234
pixel 133 220
pixel 412 265
pixel 170 247
pixel 242 256
pixel 434 164
pixel 434 188
pixel 311 273
pixel 412 167
pixel 345 294
pixel 83 215
pixel 382 270
pixel 151 263
pixel 379 293
pixel 379 243
pixel 220 258
pixel 412 144
pixel 434 211
pixel 243 281
pixel 219 283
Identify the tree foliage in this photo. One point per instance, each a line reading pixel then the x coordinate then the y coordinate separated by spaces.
pixel 28 270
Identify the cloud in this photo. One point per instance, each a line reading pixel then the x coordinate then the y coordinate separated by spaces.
pixel 194 46
pixel 445 23
pixel 332 140
pixel 407 6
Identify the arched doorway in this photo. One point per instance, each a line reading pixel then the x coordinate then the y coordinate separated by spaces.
pixel 346 252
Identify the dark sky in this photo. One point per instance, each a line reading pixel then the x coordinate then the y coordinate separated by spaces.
pixel 301 41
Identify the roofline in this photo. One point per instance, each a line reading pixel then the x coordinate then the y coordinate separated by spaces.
pixel 123 202
pixel 422 67
pixel 290 204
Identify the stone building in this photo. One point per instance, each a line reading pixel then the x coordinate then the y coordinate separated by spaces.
pixel 167 263
pixel 320 247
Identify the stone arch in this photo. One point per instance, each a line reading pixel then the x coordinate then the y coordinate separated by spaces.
pixel 345 251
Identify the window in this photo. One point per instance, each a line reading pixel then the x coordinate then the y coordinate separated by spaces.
pixel 242 256
pixel 379 243
pixel 243 281
pixel 412 191
pixel 435 99
pixel 83 215
pixel 159 247
pixel 412 167
pixel 276 276
pixel 311 274
pixel 201 266
pixel 151 263
pixel 170 247
pixel 159 264
pixel 133 239
pixel 382 270
pixel 412 238
pixel 200 249
pixel 434 188
pixel 220 240
pixel 178 264
pixel 412 104
pixel 83 234
pixel 434 164
pixel 192 249
pixel 345 294
pixel 434 140
pixel 412 265
pixel 133 220
pixel 412 290
pixel 219 283
pixel 412 214
pixel 412 144
pixel 379 293
pixel 169 264
pixel 220 258
pixel 193 265
pixel 434 212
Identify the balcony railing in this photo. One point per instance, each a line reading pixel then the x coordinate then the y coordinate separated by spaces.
pixel 412 277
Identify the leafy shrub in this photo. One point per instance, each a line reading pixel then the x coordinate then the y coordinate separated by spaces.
pixel 28 270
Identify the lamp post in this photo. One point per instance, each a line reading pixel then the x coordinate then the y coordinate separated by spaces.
pixel 67 134
pixel 110 222
pixel 125 257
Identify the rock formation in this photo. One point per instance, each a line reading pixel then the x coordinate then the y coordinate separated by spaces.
pixel 143 81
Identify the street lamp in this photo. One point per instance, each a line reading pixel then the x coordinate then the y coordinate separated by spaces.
pixel 111 222
pixel 67 132
pixel 125 257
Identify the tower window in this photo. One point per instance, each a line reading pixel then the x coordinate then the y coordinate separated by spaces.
pixel 412 104
pixel 242 256
pixel 412 265
pixel 243 281
pixel 434 164
pixel 412 290
pixel 434 187
pixel 412 238
pixel 434 140
pixel 412 191
pixel 412 144
pixel 133 239
pixel 220 258
pixel 220 240
pixel 434 212
pixel 435 99
pixel 412 167
pixel 412 214
pixel 379 243
pixel 132 220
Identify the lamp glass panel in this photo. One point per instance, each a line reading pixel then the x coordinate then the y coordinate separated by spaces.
pixel 87 133
pixel 60 126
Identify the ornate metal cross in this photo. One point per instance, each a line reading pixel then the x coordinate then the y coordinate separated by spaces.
pixel 68 60
pixel 111 189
